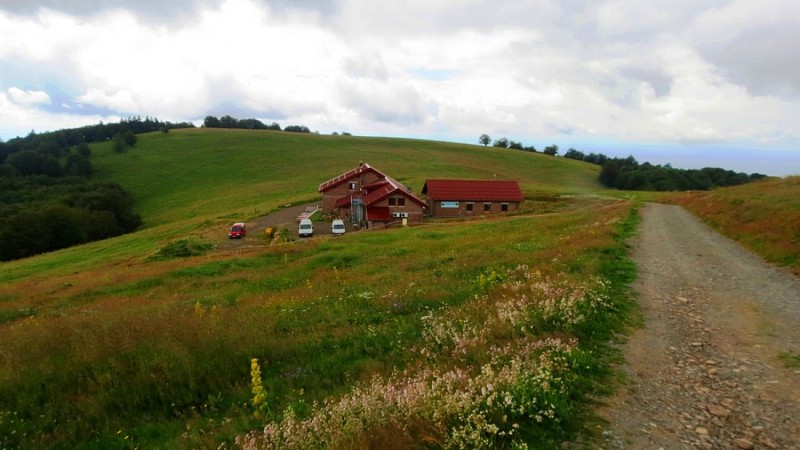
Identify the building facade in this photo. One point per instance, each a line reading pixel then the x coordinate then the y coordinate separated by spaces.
pixel 469 198
pixel 366 196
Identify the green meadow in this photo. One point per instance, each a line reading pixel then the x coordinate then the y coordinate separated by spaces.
pixel 487 333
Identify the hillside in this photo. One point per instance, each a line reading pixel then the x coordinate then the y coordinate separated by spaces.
pixel 102 346
pixel 193 180
pixel 201 173
pixel 764 216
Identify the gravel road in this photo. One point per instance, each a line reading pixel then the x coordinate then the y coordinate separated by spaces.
pixel 704 370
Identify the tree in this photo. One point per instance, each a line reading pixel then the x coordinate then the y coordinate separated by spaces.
pixel 297 129
pixel 50 166
pixel 211 122
pixel 551 150
pixel 119 143
pixel 27 162
pixel 515 145
pixel 83 149
pixel 609 172
pixel 485 139
pixel 574 154
pixel 228 122
pixel 129 138
pixel 77 165
pixel 502 142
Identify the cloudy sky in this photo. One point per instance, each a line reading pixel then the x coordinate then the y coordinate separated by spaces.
pixel 691 82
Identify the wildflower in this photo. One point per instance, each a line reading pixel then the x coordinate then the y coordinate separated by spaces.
pixel 259 395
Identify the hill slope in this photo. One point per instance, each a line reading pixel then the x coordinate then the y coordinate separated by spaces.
pixel 207 172
pixel 195 179
pixel 764 216
pixel 104 347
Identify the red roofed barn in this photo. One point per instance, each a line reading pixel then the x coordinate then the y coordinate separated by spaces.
pixel 365 195
pixel 464 198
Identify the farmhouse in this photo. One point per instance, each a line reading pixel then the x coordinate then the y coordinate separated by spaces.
pixel 366 196
pixel 465 198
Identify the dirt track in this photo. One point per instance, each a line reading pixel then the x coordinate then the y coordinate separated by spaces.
pixel 283 218
pixel 704 370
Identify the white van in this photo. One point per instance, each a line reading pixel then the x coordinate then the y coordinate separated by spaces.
pixel 306 228
pixel 337 227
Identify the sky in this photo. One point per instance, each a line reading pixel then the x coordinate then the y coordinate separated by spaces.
pixel 693 83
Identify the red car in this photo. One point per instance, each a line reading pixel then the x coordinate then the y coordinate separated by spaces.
pixel 237 231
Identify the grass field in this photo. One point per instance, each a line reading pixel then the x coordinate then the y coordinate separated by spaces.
pixel 191 181
pixel 764 216
pixel 499 328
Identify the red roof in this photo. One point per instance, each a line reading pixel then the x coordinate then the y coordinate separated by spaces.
pixel 378 191
pixel 473 190
pixel 373 192
pixel 363 167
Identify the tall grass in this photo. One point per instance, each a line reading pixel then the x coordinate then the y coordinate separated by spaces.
pixel 158 353
pixel 115 345
pixel 764 216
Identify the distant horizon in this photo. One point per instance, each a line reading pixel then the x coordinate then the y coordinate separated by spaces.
pixel 687 157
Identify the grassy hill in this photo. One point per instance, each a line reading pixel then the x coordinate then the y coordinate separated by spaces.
pixel 102 346
pixel 764 216
pixel 202 173
pixel 198 179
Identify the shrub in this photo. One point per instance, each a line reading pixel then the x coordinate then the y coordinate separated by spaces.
pixel 182 248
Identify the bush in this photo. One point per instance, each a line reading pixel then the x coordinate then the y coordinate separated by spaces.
pixel 182 248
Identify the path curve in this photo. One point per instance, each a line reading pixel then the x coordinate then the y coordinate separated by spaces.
pixel 704 370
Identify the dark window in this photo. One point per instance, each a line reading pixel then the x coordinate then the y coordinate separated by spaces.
pixel 504 207
pixel 401 201
pixel 392 201
pixel 469 207
pixel 353 186
pixel 487 207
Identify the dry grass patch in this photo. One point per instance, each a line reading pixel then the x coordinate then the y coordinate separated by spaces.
pixel 763 215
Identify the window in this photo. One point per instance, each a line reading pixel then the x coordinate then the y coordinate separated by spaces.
pixel 392 201
pixel 504 207
pixel 469 207
pixel 487 207
pixel 401 201
pixel 353 186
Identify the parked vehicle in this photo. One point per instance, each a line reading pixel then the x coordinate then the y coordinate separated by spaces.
pixel 306 228
pixel 237 231
pixel 337 227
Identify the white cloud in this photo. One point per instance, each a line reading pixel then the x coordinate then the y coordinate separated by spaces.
pixel 715 71
pixel 19 119
pixel 119 101
pixel 28 98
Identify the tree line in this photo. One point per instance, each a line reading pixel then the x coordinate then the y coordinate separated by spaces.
pixel 250 124
pixel 47 200
pixel 40 213
pixel 629 174
pixel 58 143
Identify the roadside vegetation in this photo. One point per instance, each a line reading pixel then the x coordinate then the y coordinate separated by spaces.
pixel 159 353
pixel 486 332
pixel 764 216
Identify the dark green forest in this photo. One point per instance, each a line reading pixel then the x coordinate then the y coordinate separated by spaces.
pixel 628 174
pixel 47 198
